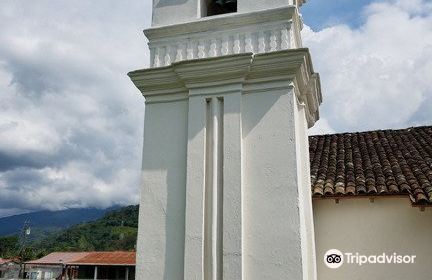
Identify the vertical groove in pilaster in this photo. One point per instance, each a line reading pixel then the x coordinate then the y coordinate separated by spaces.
pixel 213 191
pixel 220 104
pixel 208 193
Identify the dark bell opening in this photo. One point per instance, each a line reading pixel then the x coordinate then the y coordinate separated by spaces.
pixel 219 7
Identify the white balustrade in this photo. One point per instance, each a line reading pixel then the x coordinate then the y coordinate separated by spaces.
pixel 262 39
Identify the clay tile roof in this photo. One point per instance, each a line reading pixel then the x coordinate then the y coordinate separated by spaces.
pixel 3 261
pixel 107 258
pixel 373 163
pixel 59 258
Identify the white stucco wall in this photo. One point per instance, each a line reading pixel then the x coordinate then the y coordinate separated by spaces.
pixel 162 211
pixel 305 194
pixel 223 181
pixel 43 272
pixel 275 214
pixel 272 124
pixel 167 12
pixel 270 194
pixel 256 5
pixel 389 225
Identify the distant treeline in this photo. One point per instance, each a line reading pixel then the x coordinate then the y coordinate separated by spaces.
pixel 117 230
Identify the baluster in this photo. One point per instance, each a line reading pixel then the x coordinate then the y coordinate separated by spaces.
pixel 157 62
pixel 236 45
pixel 242 43
pixel 218 46
pixel 261 42
pixel 190 50
pixel 225 45
pixel 162 56
pixel 201 49
pixel 249 43
pixel 285 40
pixel 168 55
pixel 273 41
pixel 213 48
pixel 180 52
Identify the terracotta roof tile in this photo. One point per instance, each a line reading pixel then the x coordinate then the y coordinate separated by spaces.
pixel 59 258
pixel 87 258
pixel 107 258
pixel 3 261
pixel 384 162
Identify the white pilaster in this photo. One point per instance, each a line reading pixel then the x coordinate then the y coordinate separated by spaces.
pixel 232 195
pixel 195 191
pixel 214 110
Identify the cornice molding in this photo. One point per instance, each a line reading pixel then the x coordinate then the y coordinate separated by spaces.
pixel 157 81
pixel 246 73
pixel 293 65
pixel 207 72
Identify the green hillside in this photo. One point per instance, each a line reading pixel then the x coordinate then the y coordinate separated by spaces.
pixel 43 222
pixel 117 230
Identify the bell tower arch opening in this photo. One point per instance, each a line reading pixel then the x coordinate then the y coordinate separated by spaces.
pixel 217 7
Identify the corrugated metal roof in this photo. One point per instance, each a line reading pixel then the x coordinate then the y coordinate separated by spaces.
pixel 59 258
pixel 107 258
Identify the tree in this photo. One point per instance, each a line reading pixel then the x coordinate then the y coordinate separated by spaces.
pixel 8 246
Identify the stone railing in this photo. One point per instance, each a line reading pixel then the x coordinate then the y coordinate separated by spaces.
pixel 273 30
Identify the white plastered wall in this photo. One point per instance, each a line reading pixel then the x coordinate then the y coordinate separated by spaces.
pixel 257 5
pixel 305 194
pixel 162 206
pixel 271 203
pixel 263 229
pixel 167 12
pixel 389 225
pixel 272 237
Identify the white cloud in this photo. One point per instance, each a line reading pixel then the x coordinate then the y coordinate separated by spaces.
pixel 19 134
pixel 70 119
pixel 376 76
pixel 322 126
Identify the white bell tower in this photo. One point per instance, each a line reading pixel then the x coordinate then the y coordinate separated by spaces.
pixel 230 93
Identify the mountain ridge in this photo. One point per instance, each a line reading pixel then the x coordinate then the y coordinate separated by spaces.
pixel 116 230
pixel 50 221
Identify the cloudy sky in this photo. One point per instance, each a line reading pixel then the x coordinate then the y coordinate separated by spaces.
pixel 71 122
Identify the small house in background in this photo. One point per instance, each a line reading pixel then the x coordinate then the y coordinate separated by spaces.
pixel 83 265
pixel 9 269
pixel 105 265
pixel 51 266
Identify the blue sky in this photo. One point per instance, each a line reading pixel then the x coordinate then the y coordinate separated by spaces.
pixel 320 13
pixel 71 121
